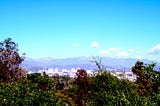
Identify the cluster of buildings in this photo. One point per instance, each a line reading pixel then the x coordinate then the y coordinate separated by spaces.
pixel 128 75
pixel 62 72
pixel 72 73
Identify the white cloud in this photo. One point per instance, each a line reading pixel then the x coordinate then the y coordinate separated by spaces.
pixel 94 45
pixel 106 52
pixel 75 45
pixel 155 50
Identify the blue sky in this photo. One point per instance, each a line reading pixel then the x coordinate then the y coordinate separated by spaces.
pixel 71 28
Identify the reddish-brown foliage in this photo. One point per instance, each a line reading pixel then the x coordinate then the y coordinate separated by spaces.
pixel 4 74
pixel 10 60
pixel 82 91
pixel 147 79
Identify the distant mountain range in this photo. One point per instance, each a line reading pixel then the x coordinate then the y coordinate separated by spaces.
pixel 82 62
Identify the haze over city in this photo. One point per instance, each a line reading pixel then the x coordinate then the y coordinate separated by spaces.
pixel 68 28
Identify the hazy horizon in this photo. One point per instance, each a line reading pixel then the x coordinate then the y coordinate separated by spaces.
pixel 67 28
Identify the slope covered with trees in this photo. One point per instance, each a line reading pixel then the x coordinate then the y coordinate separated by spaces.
pixel 101 89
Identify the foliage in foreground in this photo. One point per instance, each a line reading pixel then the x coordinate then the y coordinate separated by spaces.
pixel 148 82
pixel 10 61
pixel 102 89
pixel 108 90
pixel 25 94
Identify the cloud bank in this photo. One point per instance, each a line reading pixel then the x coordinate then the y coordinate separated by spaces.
pixel 116 52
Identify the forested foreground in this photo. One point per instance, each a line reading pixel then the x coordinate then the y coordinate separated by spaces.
pixel 103 89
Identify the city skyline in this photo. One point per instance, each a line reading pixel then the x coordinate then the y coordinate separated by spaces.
pixel 61 29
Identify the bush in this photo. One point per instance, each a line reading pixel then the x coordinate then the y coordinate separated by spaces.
pixel 25 94
pixel 108 90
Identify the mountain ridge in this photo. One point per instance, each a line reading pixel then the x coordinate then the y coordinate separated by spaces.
pixel 84 62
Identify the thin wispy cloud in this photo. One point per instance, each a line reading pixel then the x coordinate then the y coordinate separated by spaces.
pixel 139 57
pixel 105 52
pixel 116 52
pixel 155 50
pixel 75 45
pixel 121 54
pixel 130 50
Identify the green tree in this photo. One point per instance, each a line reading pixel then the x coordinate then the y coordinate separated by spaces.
pixel 26 93
pixel 44 81
pixel 108 90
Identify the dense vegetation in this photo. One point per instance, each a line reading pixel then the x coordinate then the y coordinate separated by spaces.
pixel 103 89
